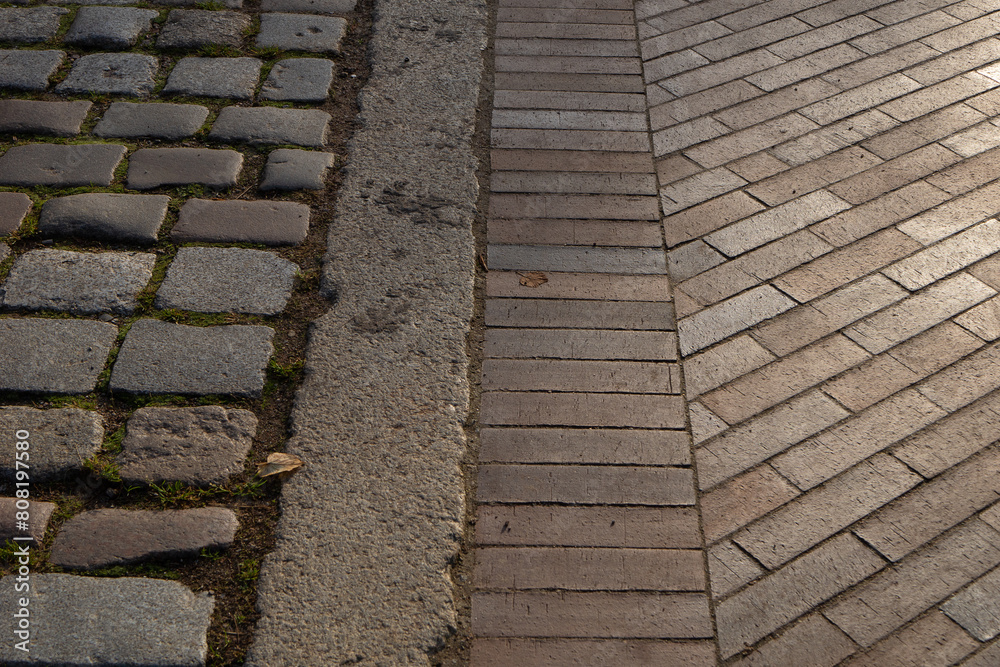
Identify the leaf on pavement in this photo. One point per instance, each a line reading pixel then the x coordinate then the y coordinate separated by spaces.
pixel 532 278
pixel 280 464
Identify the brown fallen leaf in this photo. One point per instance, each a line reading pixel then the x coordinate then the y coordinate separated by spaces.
pixel 280 464
pixel 532 278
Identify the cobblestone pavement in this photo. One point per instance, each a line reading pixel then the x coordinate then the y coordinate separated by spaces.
pixel 126 132
pixel 825 174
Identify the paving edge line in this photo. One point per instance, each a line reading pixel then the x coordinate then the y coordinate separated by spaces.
pixel 369 527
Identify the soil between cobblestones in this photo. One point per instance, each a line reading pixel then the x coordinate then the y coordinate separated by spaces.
pixel 231 575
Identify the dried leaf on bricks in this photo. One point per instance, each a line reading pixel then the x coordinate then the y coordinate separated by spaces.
pixel 280 464
pixel 532 278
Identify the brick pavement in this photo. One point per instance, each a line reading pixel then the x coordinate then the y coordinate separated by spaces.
pixel 820 421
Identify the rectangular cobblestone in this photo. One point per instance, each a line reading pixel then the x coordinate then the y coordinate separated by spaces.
pixel 815 516
pixel 591 614
pixel 922 131
pixel 589 569
pixel 813 175
pixel 955 62
pixel 860 98
pixel 805 67
pixel 585 485
pixel 894 173
pixel 625 234
pixel 580 409
pixel 580 344
pixel 745 142
pixel 699 188
pixel 809 323
pixel 780 598
pixel 589 446
pixel 588 526
pixel 729 317
pixel 775 223
pixel 817 460
pixel 874 67
pixel 721 72
pixel 904 32
pixel 597 161
pixel 869 383
pixel 832 138
pixel 889 209
pixel 828 35
pixel 966 379
pixel 672 64
pixel 757 440
pixel 936 96
pixel 595 286
pixel 845 264
pixel 705 218
pixel 897 595
pixel 919 312
pixel 935 348
pixel 677 137
pixel 708 370
pixel 743 499
pixel 775 104
pixel 553 375
pixel 918 517
pixel 699 104
pixel 676 40
pixel 782 379
pixel 947 256
pixel 574 314
pixel 579 140
pixel 971 142
pixel 813 640
pixel 598 207
pixel 752 38
pixel 953 439
pixel 953 216
pixel 934 639
pixel 730 568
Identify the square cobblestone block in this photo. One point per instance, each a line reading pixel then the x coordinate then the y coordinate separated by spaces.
pixel 162 358
pixel 107 217
pixel 109 537
pixel 131 74
pixel 235 78
pixel 61 119
pixel 126 620
pixel 61 440
pixel 309 6
pixel 51 355
pixel 30 25
pixel 240 221
pixel 270 125
pixel 199 446
pixel 157 167
pixel 290 169
pixel 28 70
pixel 159 121
pixel 193 28
pixel 38 520
pixel 81 283
pixel 301 32
pixel 109 27
pixel 299 80
pixel 227 280
pixel 13 207
pixel 60 166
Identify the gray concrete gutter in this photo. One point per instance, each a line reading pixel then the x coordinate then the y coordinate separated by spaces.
pixel 369 526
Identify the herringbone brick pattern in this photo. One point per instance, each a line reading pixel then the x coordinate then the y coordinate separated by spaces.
pixel 827 172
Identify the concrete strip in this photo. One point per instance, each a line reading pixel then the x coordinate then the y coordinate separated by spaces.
pixel 378 423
